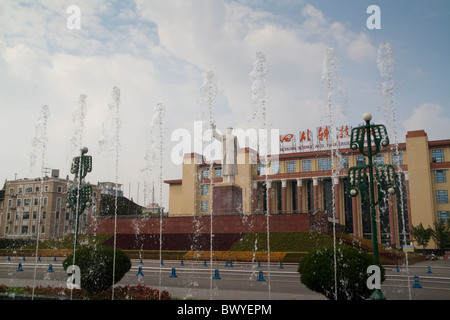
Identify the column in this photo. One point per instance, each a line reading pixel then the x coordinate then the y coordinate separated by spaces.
pixel 269 196
pixel 392 221
pixel 283 195
pixel 316 193
pixel 299 195
pixel 337 205
pixel 255 205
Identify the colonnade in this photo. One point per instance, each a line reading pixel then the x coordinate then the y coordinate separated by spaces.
pixel 347 211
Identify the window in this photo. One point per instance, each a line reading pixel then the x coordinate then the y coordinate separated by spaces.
pixel 58 201
pixel 217 172
pixel 24 229
pixel 18 202
pixel 443 216
pixel 36 201
pixel 45 201
pixel 261 169
pixel 360 161
pixel 378 159
pixel 344 163
pixel 306 165
pixel 36 188
pixel 290 166
pixel 397 159
pixel 324 164
pixel 28 189
pixel 26 216
pixel 440 176
pixel 59 189
pixel 26 202
pixel 9 203
pixel 11 190
pixel 204 206
pixel 205 189
pixel 275 167
pixel 441 196
pixel 438 155
pixel 205 173
pixel 46 188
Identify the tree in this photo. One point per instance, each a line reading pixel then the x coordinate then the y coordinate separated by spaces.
pixel 441 234
pixel 422 235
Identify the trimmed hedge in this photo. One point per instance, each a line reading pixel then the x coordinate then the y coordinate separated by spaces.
pixel 317 272
pixel 282 241
pixel 96 267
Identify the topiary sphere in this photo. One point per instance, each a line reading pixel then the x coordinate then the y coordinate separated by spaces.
pixel 96 267
pixel 317 272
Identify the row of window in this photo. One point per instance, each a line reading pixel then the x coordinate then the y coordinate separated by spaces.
pixel 29 189
pixel 24 230
pixel 326 164
pixel 217 172
pixel 27 202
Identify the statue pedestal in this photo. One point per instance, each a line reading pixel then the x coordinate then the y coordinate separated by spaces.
pixel 227 200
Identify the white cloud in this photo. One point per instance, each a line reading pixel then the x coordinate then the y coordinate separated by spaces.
pixel 429 117
pixel 155 54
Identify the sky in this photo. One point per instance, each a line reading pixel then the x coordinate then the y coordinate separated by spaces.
pixel 71 56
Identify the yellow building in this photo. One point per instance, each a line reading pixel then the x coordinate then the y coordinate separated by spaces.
pixel 309 181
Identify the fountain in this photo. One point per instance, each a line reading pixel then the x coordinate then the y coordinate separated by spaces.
pixel 39 139
pixel 110 141
pixel 386 88
pixel 259 118
pixel 208 95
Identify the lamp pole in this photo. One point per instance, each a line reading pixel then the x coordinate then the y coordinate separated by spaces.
pixel 373 176
pixel 79 197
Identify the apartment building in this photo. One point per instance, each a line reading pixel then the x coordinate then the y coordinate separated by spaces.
pixel 32 207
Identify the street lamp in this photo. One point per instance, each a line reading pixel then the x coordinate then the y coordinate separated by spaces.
pixel 379 178
pixel 79 197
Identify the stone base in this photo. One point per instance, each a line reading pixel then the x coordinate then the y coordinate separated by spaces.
pixel 227 200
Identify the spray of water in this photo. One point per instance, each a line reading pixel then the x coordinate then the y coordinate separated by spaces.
pixel 259 118
pixel 110 142
pixel 386 87
pixel 208 96
pixel 39 140
pixel 78 118
pixel 335 96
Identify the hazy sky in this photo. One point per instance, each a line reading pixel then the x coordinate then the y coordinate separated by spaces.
pixel 158 51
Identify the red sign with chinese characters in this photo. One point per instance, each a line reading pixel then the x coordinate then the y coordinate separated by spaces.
pixel 322 140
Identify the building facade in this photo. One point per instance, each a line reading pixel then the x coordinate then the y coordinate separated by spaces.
pixel 32 207
pixel 310 181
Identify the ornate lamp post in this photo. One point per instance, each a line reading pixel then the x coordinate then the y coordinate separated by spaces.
pixel 79 197
pixel 378 178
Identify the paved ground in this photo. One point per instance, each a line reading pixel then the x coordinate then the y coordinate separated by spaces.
pixel 240 282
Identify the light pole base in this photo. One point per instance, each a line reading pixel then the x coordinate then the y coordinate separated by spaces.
pixel 377 295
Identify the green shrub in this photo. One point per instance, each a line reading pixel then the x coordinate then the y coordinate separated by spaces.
pixel 317 272
pixel 282 241
pixel 96 267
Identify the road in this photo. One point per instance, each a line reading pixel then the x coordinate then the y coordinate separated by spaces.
pixel 194 280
